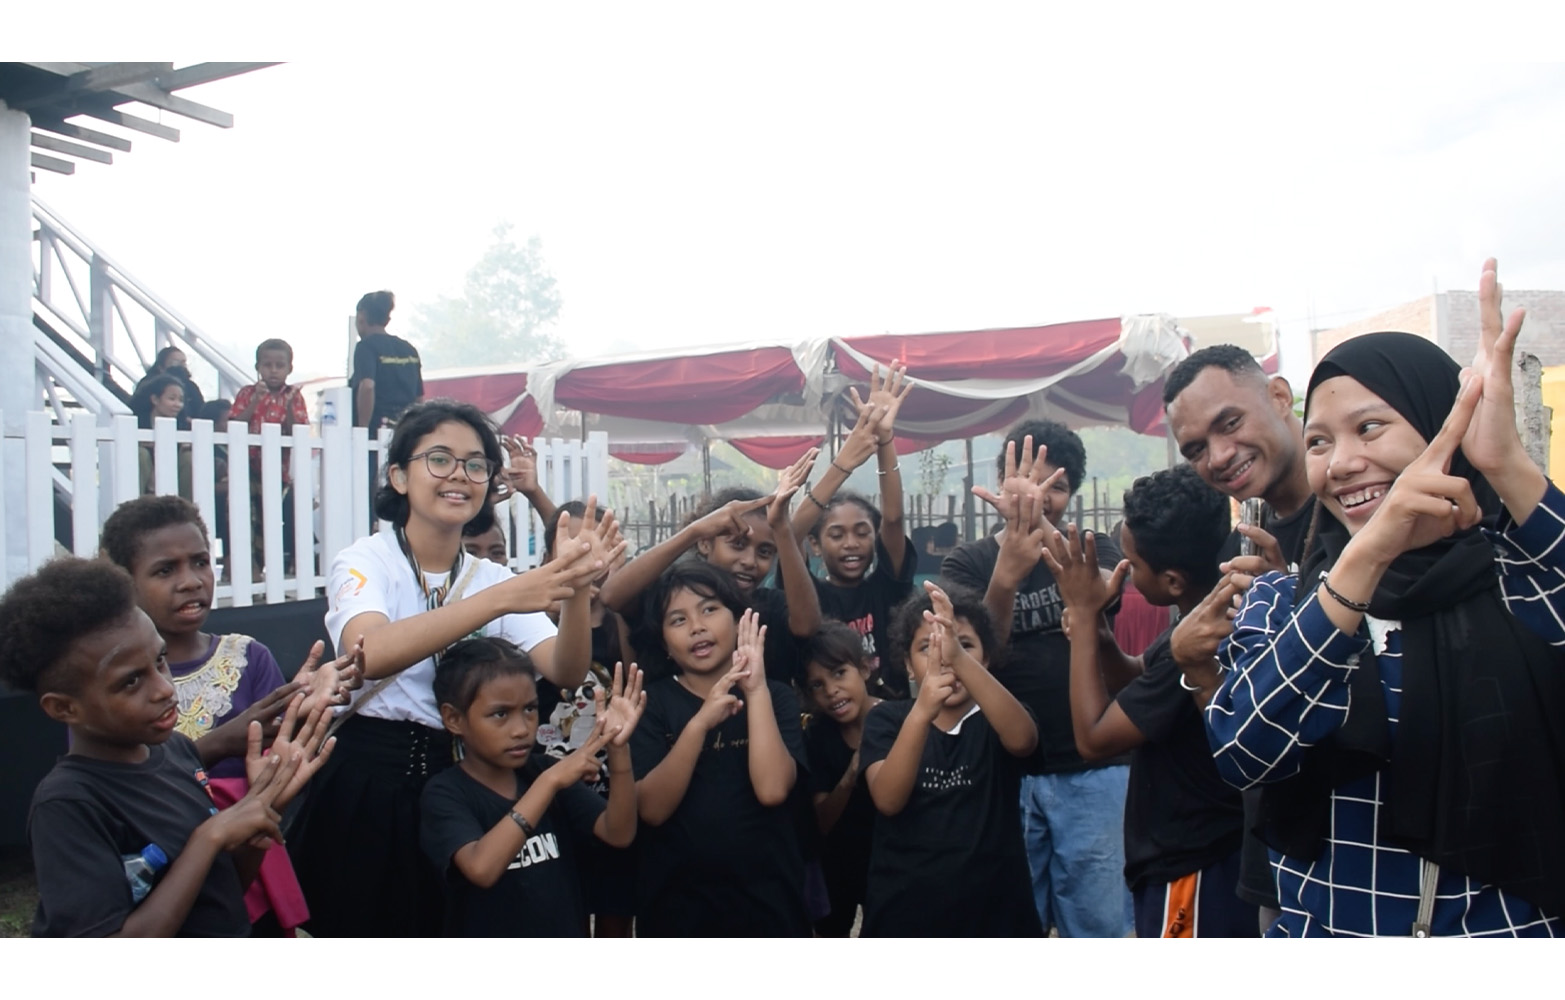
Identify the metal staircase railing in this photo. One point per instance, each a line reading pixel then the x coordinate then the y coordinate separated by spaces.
pixel 97 310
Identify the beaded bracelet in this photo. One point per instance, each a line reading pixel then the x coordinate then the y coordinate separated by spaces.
pixel 1362 607
pixel 811 498
pixel 845 472
pixel 521 821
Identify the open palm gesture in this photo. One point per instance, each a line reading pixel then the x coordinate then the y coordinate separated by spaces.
pixel 886 394
pixel 625 703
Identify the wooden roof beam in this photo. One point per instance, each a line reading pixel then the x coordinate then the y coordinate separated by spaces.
pixel 84 134
pixel 114 76
pixel 76 149
pixel 53 163
pixel 114 116
pixel 190 76
pixel 146 93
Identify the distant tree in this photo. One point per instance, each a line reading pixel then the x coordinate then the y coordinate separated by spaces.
pixel 508 303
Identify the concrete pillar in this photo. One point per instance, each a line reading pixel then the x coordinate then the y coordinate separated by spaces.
pixel 18 377
pixel 1532 417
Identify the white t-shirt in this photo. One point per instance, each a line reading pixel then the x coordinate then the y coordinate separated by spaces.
pixel 372 574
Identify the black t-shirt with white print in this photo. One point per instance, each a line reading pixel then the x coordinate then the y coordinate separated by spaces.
pixel 1180 816
pixel 952 862
pixel 540 894
pixel 1035 665
pixel 723 865
pixel 867 610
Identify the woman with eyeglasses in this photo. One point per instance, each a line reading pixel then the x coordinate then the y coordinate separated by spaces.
pixel 407 593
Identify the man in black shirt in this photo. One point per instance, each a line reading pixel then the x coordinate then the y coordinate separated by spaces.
pixel 1237 428
pixel 1183 823
pixel 1072 810
pixel 387 374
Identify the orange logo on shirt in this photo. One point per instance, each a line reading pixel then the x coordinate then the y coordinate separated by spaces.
pixel 351 587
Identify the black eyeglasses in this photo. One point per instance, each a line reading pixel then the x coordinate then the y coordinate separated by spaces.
pixel 441 464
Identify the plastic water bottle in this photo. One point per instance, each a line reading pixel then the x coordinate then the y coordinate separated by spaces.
pixel 329 413
pixel 141 870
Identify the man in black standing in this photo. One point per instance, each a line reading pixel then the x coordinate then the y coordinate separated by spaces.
pixel 387 375
pixel 1237 429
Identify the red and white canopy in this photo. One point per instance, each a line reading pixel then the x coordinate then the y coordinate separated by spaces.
pixel 773 400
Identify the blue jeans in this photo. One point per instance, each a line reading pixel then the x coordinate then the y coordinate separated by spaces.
pixel 1074 826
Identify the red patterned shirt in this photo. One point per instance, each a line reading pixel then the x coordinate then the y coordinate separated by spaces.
pixel 285 407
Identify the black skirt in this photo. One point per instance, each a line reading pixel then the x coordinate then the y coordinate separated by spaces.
pixel 355 845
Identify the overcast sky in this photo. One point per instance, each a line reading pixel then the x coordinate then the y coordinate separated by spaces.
pixel 715 174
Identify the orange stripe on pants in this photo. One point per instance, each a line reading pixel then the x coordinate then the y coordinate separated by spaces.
pixel 1179 906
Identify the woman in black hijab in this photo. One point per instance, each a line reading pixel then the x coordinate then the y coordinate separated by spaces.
pixel 1403 699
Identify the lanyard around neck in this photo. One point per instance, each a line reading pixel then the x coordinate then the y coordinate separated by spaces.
pixel 436 597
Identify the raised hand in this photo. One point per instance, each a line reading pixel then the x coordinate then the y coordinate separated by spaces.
pixel 579 557
pixel 1426 503
pixel 1074 562
pixel 729 519
pixel 1195 639
pixel 253 821
pixel 789 481
pixel 334 682
pixel 306 742
pixel 1268 556
pixel 582 763
pixel 1022 543
pixel 862 441
pixel 887 395
pixel 1491 437
pixel 601 535
pixel 721 703
pixel 625 703
pixel 942 618
pixel 750 652
pixel 1021 476
pixel 521 464
pixel 939 680
pixel 228 740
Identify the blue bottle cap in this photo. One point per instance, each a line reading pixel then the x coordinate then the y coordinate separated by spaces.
pixel 153 855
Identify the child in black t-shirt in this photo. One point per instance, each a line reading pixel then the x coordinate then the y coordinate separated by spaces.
pixel 1183 823
pixel 506 832
pixel 868 558
pixel 73 634
pixel 717 759
pixel 741 533
pixel 836 684
pixel 945 775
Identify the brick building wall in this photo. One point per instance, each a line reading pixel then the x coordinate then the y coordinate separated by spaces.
pixel 1543 332
pixel 1412 317
pixel 1451 320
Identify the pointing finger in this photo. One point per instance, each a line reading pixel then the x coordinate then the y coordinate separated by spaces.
pixel 1443 448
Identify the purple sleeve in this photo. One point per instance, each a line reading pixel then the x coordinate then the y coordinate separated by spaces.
pixel 262 676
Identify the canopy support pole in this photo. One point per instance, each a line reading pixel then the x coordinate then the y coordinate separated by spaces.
pixel 969 515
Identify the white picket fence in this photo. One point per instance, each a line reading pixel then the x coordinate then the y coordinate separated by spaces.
pixel 97 467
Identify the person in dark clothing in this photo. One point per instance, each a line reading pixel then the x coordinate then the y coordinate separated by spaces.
pixel 387 373
pixel 72 635
pixel 171 361
pixel 1072 810
pixel 1236 427
pixel 1183 823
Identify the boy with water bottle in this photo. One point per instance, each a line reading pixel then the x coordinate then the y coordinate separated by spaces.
pixel 126 840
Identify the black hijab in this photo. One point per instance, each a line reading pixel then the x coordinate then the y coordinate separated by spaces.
pixel 1476 769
